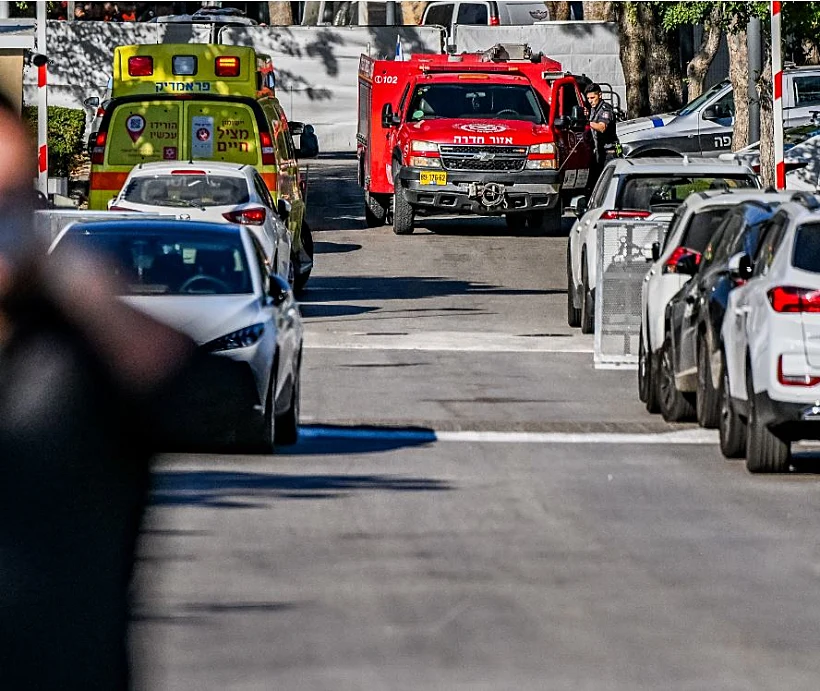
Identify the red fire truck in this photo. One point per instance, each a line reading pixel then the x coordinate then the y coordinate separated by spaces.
pixel 496 133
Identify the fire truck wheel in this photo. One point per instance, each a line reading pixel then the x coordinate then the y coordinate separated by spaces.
pixel 403 214
pixel 375 210
pixel 516 222
pixel 547 222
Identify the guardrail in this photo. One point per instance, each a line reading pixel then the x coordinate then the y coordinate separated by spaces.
pixel 624 257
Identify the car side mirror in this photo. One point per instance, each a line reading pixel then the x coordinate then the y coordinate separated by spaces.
pixel 92 102
pixel 389 118
pixel 656 251
pixel 278 289
pixel 687 264
pixel 560 122
pixel 740 266
pixel 578 118
pixel 711 113
pixel 296 128
pixel 579 206
pixel 283 208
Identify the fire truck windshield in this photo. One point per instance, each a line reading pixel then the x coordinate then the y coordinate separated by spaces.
pixel 475 102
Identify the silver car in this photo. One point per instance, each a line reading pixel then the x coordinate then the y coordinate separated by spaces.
pixel 211 282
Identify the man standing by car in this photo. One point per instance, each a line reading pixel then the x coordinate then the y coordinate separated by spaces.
pixel 602 124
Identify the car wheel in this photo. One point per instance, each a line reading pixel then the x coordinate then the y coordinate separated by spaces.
pixel 286 426
pixel 732 427
pixel 516 222
pixel 707 402
pixel 675 406
pixel 765 451
pixel 302 277
pixel 588 302
pixel 573 312
pixel 644 382
pixel 653 377
pixel 547 222
pixel 404 216
pixel 375 211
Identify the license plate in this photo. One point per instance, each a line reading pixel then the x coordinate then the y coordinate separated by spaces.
pixel 430 177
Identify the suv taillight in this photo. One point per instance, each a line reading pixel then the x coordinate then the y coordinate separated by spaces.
pixel 268 152
pixel 670 266
pixel 788 299
pixel 247 217
pixel 98 150
pixel 616 215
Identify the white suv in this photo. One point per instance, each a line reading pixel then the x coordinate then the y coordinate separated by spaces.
pixel 771 342
pixel 690 231
pixel 648 189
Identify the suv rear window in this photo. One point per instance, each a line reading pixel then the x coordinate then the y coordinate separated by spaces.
pixel 806 252
pixel 667 192
pixel 702 228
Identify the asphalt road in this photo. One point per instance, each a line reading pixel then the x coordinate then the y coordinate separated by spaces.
pixel 472 506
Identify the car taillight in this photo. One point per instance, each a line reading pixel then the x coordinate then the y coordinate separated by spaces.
pixel 789 299
pixel 247 217
pixel 122 208
pixel 268 152
pixel 226 66
pixel 670 266
pixel 495 21
pixel 794 379
pixel 615 214
pixel 98 150
pixel 140 66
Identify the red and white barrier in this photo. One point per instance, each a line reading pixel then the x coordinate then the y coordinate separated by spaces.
pixel 777 73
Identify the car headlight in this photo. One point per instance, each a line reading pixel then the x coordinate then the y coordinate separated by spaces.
pixel 425 162
pixel 423 147
pixel 543 148
pixel 238 339
pixel 541 164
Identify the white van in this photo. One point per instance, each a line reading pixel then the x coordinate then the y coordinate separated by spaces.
pixel 485 12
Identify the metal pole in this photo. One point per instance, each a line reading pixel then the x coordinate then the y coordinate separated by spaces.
pixel 42 102
pixel 755 47
pixel 777 73
pixel 390 10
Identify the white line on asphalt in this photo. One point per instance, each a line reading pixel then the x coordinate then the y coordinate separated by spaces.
pixel 693 436
pixel 456 341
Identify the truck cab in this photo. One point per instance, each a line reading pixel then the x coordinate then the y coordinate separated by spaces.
pixel 485 134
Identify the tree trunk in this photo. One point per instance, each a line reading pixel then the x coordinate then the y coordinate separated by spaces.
pixel 411 12
pixel 764 86
pixel 310 16
pixel 599 11
pixel 280 13
pixel 739 76
pixel 665 83
pixel 559 11
pixel 699 65
pixel 633 59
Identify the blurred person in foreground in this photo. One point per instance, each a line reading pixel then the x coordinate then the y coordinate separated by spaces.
pixel 81 377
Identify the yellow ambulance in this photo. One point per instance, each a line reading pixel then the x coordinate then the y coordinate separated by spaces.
pixel 190 102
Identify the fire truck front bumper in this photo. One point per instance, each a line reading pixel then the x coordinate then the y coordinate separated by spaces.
pixel 444 191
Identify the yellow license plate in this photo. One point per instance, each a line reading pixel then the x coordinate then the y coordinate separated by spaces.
pixel 430 177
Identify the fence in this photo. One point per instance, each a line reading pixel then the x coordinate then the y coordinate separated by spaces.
pixel 624 256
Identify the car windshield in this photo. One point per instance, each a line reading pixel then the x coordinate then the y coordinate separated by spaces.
pixel 702 228
pixel 667 192
pixel 168 262
pixel 692 106
pixel 806 252
pixel 475 102
pixel 189 189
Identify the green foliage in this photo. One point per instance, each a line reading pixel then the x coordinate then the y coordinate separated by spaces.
pixel 66 132
pixel 677 14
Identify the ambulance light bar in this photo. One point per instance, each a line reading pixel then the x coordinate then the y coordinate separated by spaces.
pixel 226 66
pixel 184 65
pixel 140 66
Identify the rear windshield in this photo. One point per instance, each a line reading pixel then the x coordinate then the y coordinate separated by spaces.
pixel 702 228
pixel 667 192
pixel 807 248
pixel 475 101
pixel 168 263
pixel 187 190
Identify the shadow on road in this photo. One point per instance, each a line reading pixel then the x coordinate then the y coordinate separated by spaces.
pixel 243 490
pixel 335 247
pixel 319 311
pixel 486 227
pixel 354 288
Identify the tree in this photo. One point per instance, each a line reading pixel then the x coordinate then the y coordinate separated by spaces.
pixel 633 59
pixel 280 13
pixel 664 78
pixel 412 12
pixel 559 11
pixel 710 16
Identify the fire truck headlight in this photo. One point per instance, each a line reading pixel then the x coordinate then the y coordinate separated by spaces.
pixel 543 148
pixel 541 164
pixel 425 162
pixel 424 147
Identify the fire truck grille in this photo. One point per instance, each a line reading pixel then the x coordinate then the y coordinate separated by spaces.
pixel 483 158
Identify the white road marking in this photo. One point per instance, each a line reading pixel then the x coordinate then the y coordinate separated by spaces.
pixel 456 341
pixel 689 436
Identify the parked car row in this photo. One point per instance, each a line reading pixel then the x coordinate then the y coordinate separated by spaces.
pixel 730 332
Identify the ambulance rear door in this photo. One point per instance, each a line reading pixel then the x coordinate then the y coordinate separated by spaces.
pixel 221 131
pixel 144 131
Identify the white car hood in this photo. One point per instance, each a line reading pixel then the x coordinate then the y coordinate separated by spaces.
pixel 629 127
pixel 201 317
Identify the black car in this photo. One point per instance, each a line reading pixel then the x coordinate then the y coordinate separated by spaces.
pixel 691 354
